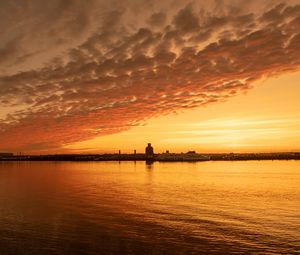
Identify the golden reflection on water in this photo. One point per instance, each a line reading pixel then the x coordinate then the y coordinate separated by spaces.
pixel 138 208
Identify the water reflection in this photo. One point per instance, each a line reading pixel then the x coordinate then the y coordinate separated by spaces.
pixel 138 208
pixel 149 165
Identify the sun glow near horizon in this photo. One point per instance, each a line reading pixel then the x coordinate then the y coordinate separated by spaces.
pixel 266 119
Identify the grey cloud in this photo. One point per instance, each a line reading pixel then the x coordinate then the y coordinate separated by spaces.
pixel 158 19
pixel 186 21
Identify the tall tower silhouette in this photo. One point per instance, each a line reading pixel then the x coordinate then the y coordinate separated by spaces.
pixel 149 151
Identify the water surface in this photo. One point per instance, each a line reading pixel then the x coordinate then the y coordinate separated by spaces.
pixel 250 207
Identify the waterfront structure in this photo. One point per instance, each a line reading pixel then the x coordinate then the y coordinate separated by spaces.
pixel 189 156
pixel 6 154
pixel 149 151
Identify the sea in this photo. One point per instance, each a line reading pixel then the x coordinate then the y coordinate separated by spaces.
pixel 213 207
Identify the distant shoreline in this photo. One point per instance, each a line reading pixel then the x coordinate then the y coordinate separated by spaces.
pixel 150 161
pixel 176 157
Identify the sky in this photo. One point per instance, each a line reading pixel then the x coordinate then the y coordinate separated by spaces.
pixel 99 76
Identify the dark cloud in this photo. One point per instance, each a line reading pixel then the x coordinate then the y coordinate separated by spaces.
pixel 157 19
pixel 186 21
pixel 122 74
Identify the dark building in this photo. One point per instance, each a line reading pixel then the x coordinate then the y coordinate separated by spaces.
pixel 149 152
pixel 6 154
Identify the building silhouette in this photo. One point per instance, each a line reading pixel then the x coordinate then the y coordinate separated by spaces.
pixel 6 154
pixel 149 151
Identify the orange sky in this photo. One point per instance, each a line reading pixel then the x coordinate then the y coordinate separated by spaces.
pixel 210 76
pixel 266 119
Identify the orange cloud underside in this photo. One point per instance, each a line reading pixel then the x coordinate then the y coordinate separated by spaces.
pixel 264 120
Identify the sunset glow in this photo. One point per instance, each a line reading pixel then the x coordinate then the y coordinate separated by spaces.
pixel 255 122
pixel 214 77
pixel 149 127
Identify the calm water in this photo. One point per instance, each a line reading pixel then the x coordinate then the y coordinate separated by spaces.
pixel 166 208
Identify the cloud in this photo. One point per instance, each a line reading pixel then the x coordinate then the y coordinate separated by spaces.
pixel 105 77
pixel 157 19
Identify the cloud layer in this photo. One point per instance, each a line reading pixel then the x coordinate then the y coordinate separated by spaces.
pixel 74 70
